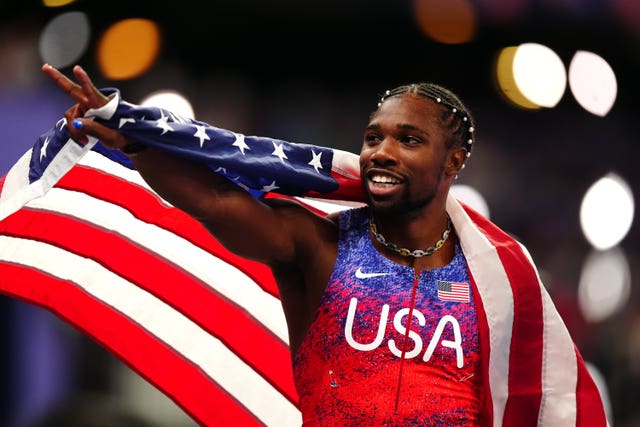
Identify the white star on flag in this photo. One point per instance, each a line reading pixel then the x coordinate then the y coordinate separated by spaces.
pixel 201 134
pixel 43 150
pixel 240 142
pixel 270 187
pixel 279 151
pixel 162 124
pixel 315 162
pixel 123 121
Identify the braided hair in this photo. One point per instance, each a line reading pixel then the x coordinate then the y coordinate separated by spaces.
pixel 456 116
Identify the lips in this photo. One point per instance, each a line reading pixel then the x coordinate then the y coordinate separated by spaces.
pixel 383 179
pixel 382 183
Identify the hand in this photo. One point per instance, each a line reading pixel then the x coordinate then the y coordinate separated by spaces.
pixel 87 96
pixel 85 93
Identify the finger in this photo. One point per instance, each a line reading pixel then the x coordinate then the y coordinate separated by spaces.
pixel 63 82
pixel 94 97
pixel 73 112
pixel 77 135
pixel 109 137
pixel 83 79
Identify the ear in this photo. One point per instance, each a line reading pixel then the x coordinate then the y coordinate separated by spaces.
pixel 455 161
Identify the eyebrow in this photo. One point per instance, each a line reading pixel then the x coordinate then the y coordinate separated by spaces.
pixel 414 128
pixel 374 126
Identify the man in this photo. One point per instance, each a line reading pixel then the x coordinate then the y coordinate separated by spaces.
pixel 397 312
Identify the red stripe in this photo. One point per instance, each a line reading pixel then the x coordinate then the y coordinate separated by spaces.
pixel 454 298
pixel 146 206
pixel 349 189
pixel 590 409
pixel 525 360
pixel 242 333
pixel 183 382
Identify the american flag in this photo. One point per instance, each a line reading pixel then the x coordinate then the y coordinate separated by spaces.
pixel 82 235
pixel 453 291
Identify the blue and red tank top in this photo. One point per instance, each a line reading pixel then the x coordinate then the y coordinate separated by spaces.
pixel 389 345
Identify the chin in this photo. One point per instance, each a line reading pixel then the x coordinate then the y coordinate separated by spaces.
pixel 387 207
pixel 397 207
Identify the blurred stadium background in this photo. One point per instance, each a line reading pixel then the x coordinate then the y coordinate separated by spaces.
pixel 552 85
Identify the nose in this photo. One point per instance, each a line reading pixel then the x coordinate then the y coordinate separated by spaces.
pixel 384 153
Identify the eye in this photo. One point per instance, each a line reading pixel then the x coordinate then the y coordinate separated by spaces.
pixel 411 140
pixel 371 138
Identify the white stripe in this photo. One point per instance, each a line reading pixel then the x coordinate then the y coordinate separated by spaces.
pixel 100 162
pixel 497 297
pixel 107 110
pixel 17 191
pixel 221 276
pixel 559 370
pixel 16 179
pixel 215 359
pixel 328 206
pixel 559 365
pixel 346 163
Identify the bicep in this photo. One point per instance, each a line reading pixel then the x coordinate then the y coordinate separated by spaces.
pixel 253 229
pixel 274 231
pixel 270 231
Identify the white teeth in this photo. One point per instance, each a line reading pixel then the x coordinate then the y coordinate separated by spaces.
pixel 383 179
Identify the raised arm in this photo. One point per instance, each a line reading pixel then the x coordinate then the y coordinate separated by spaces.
pixel 273 232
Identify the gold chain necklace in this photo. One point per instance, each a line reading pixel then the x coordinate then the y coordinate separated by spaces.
pixel 417 253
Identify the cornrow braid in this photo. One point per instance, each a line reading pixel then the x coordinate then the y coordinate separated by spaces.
pixel 457 117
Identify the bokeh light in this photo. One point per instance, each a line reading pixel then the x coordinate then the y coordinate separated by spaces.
pixel 128 48
pixel 605 284
pixel 446 21
pixel 506 80
pixel 471 197
pixel 539 74
pixel 593 82
pixel 56 3
pixel 606 212
pixel 64 39
pixel 172 101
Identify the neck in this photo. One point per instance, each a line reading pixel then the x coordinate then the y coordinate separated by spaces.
pixel 425 241
pixel 415 228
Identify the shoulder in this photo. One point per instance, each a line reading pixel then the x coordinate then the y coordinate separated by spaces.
pixel 294 210
pixel 310 228
pixel 353 217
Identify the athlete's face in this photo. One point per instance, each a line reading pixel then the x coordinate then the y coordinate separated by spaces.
pixel 404 162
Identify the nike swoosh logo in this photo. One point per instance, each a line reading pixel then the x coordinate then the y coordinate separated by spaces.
pixel 361 275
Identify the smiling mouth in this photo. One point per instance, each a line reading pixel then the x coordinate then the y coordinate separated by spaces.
pixel 382 186
pixel 385 180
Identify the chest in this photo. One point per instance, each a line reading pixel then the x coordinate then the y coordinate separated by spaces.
pixel 391 312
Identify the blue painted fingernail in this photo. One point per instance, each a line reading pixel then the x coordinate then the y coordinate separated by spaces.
pixel 77 123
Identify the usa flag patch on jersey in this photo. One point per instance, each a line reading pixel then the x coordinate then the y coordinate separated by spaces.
pixel 453 291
